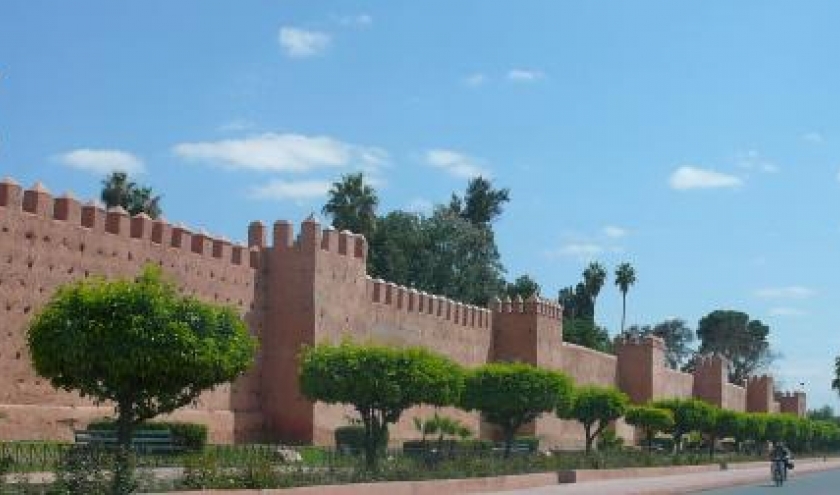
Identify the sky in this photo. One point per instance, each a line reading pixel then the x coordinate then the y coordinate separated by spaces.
pixel 698 140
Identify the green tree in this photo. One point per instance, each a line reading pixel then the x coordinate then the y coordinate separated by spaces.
pixel 584 332
pixel 595 408
pixel 352 205
pixel 138 344
pixel 677 337
pixel 755 429
pixel 481 204
pixel 594 277
pixel 777 426
pixel 524 287
pixel 732 424
pixel 625 277
pixel 651 420
pixel 576 302
pixel 119 190
pixel 825 413
pixel 398 249
pixel 510 395
pixel 741 340
pixel 689 415
pixel 380 382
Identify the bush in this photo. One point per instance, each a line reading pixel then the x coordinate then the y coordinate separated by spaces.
pixel 191 436
pixel 610 441
pixel 84 470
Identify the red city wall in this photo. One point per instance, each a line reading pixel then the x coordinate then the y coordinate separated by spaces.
pixel 295 290
pixel 47 242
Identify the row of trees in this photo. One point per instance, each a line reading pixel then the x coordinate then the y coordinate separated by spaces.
pixel 382 382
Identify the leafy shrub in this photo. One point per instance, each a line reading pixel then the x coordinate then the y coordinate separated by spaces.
pixel 610 441
pixel 191 436
pixel 351 439
pixel 83 470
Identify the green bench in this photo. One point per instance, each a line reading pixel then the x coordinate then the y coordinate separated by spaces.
pixel 142 441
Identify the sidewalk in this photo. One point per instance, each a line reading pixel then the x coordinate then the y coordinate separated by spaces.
pixel 675 484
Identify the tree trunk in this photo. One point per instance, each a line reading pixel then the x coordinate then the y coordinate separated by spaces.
pixel 649 434
pixel 587 428
pixel 508 432
pixel 123 481
pixel 623 309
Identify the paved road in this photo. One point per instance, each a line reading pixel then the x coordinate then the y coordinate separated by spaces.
pixel 826 483
pixel 697 482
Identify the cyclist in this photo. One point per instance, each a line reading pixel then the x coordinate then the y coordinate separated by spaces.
pixel 780 454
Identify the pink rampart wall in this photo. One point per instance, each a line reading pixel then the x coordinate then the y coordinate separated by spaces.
pixel 734 397
pixel 55 241
pixel 673 383
pixel 587 366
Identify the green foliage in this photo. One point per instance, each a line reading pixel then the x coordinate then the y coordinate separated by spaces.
pixel 690 415
pixel 85 470
pixel 777 427
pixel 380 382
pixel 352 205
pixel 595 408
pixel 584 332
pixel 481 204
pixel 191 436
pixel 835 383
pixel 138 344
pixel 731 423
pixel 676 335
pixel 742 341
pixel 510 395
pixel 118 190
pixel 651 420
pixel 594 277
pixel 523 287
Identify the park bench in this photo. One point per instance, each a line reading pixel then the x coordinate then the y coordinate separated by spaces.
pixel 142 441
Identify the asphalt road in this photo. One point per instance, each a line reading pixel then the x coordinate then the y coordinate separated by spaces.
pixel 825 483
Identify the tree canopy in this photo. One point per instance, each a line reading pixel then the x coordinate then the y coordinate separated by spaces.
pixel 380 382
pixel 481 204
pixel 651 420
pixel 595 408
pixel 524 287
pixel 138 344
pixel 510 395
pixel 738 338
pixel 352 205
pixel 689 415
pixel 676 335
pixel 119 190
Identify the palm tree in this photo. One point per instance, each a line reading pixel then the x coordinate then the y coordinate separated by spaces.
pixel 625 277
pixel 594 277
pixel 352 205
pixel 118 190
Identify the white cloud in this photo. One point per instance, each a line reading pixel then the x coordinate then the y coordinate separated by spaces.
pixel 785 311
pixel 272 152
pixel 813 137
pixel 687 177
pixel 524 75
pixel 753 161
pixel 614 232
pixel 475 80
pixel 789 292
pixel 356 21
pixel 301 43
pixel 583 250
pixel 102 161
pixel 454 163
pixel 279 190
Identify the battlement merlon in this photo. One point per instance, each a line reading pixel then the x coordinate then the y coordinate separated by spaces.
pixel 534 305
pixel 39 203
pixel 310 239
pixel 651 341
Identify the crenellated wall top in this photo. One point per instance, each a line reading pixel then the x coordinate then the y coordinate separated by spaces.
pixel 533 305
pixel 37 201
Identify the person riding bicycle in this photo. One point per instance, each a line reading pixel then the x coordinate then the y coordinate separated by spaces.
pixel 780 453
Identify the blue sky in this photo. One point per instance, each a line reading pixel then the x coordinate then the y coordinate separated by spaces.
pixel 698 140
